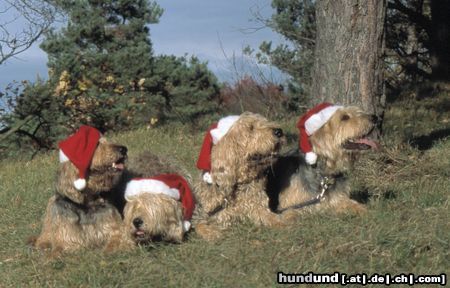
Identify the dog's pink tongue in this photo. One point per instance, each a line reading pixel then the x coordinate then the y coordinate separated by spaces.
pixel 140 233
pixel 119 166
pixel 369 142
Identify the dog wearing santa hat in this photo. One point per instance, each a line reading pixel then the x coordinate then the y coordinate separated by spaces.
pixel 313 176
pixel 235 157
pixel 158 208
pixel 80 214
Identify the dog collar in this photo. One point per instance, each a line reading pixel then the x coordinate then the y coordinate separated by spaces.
pixel 325 184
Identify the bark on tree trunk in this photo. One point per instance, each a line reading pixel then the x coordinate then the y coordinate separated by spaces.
pixel 348 55
pixel 440 40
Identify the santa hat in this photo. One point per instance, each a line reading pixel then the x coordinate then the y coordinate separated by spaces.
pixel 309 123
pixel 215 132
pixel 79 149
pixel 171 185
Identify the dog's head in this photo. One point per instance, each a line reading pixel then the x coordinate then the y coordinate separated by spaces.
pixel 342 136
pixel 104 173
pixel 246 151
pixel 154 217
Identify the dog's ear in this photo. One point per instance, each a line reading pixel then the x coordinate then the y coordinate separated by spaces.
pixel 225 160
pixel 67 174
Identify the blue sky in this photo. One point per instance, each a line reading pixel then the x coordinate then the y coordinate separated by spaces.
pixel 211 30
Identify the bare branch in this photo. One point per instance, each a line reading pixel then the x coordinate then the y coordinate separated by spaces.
pixel 33 16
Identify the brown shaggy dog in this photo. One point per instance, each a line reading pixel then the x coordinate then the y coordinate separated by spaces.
pixel 298 186
pixel 150 217
pixel 153 218
pixel 239 165
pixel 86 219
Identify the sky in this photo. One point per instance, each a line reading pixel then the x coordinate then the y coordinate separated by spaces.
pixel 214 31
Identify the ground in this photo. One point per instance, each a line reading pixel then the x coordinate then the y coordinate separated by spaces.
pixel 405 231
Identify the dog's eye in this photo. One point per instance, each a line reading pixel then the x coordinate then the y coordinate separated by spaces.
pixel 251 127
pixel 345 117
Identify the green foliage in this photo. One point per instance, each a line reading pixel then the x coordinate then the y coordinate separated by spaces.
pixel 30 112
pixel 189 89
pixel 98 59
pixel 295 21
pixel 102 72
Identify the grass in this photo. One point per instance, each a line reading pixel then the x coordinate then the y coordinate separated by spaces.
pixel 407 228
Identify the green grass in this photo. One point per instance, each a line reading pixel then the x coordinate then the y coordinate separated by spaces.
pixel 406 230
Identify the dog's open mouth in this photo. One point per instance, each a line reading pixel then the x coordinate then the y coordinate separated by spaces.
pixel 360 144
pixel 119 165
pixel 140 235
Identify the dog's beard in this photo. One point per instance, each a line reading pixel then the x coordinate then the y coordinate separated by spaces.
pixel 143 237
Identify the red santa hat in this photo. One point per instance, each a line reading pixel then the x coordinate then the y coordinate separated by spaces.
pixel 171 185
pixel 79 149
pixel 215 132
pixel 309 123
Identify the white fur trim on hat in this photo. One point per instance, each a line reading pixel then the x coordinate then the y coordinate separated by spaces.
pixel 186 225
pixel 79 184
pixel 138 187
pixel 223 126
pixel 316 121
pixel 62 157
pixel 207 178
pixel 311 158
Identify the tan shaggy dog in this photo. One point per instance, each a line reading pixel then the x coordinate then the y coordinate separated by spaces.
pixel 77 219
pixel 300 183
pixel 150 216
pixel 154 218
pixel 238 167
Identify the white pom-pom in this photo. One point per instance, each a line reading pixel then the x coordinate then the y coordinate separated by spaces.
pixel 311 158
pixel 79 184
pixel 186 226
pixel 207 178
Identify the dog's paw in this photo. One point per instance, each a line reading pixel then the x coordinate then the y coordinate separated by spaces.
pixel 290 216
pixel 208 232
pixel 353 207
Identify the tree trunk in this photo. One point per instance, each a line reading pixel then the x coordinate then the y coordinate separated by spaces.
pixel 440 40
pixel 348 55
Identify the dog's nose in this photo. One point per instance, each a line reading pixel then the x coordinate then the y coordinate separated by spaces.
pixel 278 132
pixel 123 150
pixel 137 222
pixel 374 118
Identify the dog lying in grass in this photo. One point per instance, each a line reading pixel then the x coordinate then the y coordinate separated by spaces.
pixel 158 208
pixel 80 214
pixel 235 157
pixel 314 177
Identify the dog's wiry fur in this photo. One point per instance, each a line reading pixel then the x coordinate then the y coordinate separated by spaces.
pixel 160 217
pixel 85 219
pixel 292 181
pixel 239 162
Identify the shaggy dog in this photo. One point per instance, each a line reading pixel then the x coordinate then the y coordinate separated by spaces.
pixel 80 214
pixel 330 138
pixel 158 208
pixel 235 157
pixel 151 213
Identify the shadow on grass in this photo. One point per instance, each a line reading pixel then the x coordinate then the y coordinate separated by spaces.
pixel 426 142
pixel 363 196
